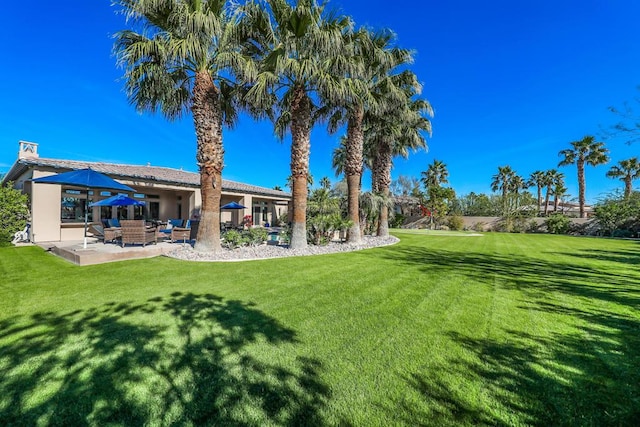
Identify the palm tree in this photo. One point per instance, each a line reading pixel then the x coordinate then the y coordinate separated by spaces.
pixel 298 45
pixel 627 171
pixel 559 189
pixel 325 183
pixel 396 133
pixel 435 174
pixel 537 179
pixel 586 151
pixel 502 182
pixel 372 61
pixel 181 60
pixel 550 177
pixel 516 184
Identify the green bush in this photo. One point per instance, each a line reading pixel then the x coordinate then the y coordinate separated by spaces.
pixel 455 222
pixel 397 221
pixel 255 236
pixel 558 224
pixel 14 212
pixel 233 239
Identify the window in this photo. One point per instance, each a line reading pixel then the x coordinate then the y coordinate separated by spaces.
pixel 72 206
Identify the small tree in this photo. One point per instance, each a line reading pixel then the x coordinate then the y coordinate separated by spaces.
pixel 324 216
pixel 14 212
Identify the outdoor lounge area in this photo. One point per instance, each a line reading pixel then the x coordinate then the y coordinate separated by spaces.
pixel 165 198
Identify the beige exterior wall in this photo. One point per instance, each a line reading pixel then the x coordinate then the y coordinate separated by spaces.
pixel 45 210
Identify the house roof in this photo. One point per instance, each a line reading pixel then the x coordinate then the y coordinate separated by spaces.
pixel 146 173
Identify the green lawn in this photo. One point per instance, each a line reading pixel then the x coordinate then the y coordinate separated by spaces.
pixel 502 329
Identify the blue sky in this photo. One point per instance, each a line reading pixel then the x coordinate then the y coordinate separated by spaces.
pixel 511 82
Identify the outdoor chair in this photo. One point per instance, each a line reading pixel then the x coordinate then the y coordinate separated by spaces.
pixel 134 231
pixel 171 224
pixel 105 234
pixel 181 233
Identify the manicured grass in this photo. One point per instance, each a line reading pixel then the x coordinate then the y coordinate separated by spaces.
pixel 502 329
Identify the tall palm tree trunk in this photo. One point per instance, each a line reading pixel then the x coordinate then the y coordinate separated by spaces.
pixel 628 187
pixel 210 156
pixel 383 163
pixel 546 201
pixel 353 171
pixel 581 187
pixel 539 199
pixel 300 147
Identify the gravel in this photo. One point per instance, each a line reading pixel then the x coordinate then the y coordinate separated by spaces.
pixel 264 251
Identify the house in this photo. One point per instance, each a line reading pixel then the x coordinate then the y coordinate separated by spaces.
pixel 57 211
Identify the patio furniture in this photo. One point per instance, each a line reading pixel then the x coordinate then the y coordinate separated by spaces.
pixel 110 234
pixel 134 231
pixel 181 233
pixel 171 224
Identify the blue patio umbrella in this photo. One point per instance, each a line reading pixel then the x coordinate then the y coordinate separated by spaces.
pixel 86 179
pixel 119 200
pixel 233 205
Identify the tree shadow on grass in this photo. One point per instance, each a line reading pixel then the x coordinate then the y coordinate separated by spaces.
pixel 585 375
pixel 179 360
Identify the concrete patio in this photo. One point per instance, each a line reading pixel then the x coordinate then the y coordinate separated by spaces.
pixel 98 252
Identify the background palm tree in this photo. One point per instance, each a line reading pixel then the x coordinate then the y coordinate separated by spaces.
pixel 536 179
pixel 559 190
pixel 586 151
pixel 435 174
pixel 297 47
pixel 550 177
pixel 325 183
pixel 178 60
pixel 517 183
pixel 502 182
pixel 627 171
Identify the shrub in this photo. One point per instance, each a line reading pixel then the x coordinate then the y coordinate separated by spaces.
pixel 397 221
pixel 14 212
pixel 478 226
pixel 233 239
pixel 557 224
pixel 532 226
pixel 455 222
pixel 255 236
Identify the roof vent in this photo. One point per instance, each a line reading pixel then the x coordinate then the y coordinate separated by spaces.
pixel 28 150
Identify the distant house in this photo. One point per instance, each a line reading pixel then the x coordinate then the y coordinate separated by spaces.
pixel 57 212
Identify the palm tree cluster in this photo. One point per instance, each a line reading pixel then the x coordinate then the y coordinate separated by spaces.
pixel 295 63
pixel 586 151
pixel 509 183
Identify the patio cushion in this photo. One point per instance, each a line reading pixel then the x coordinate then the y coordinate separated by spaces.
pixel 175 222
